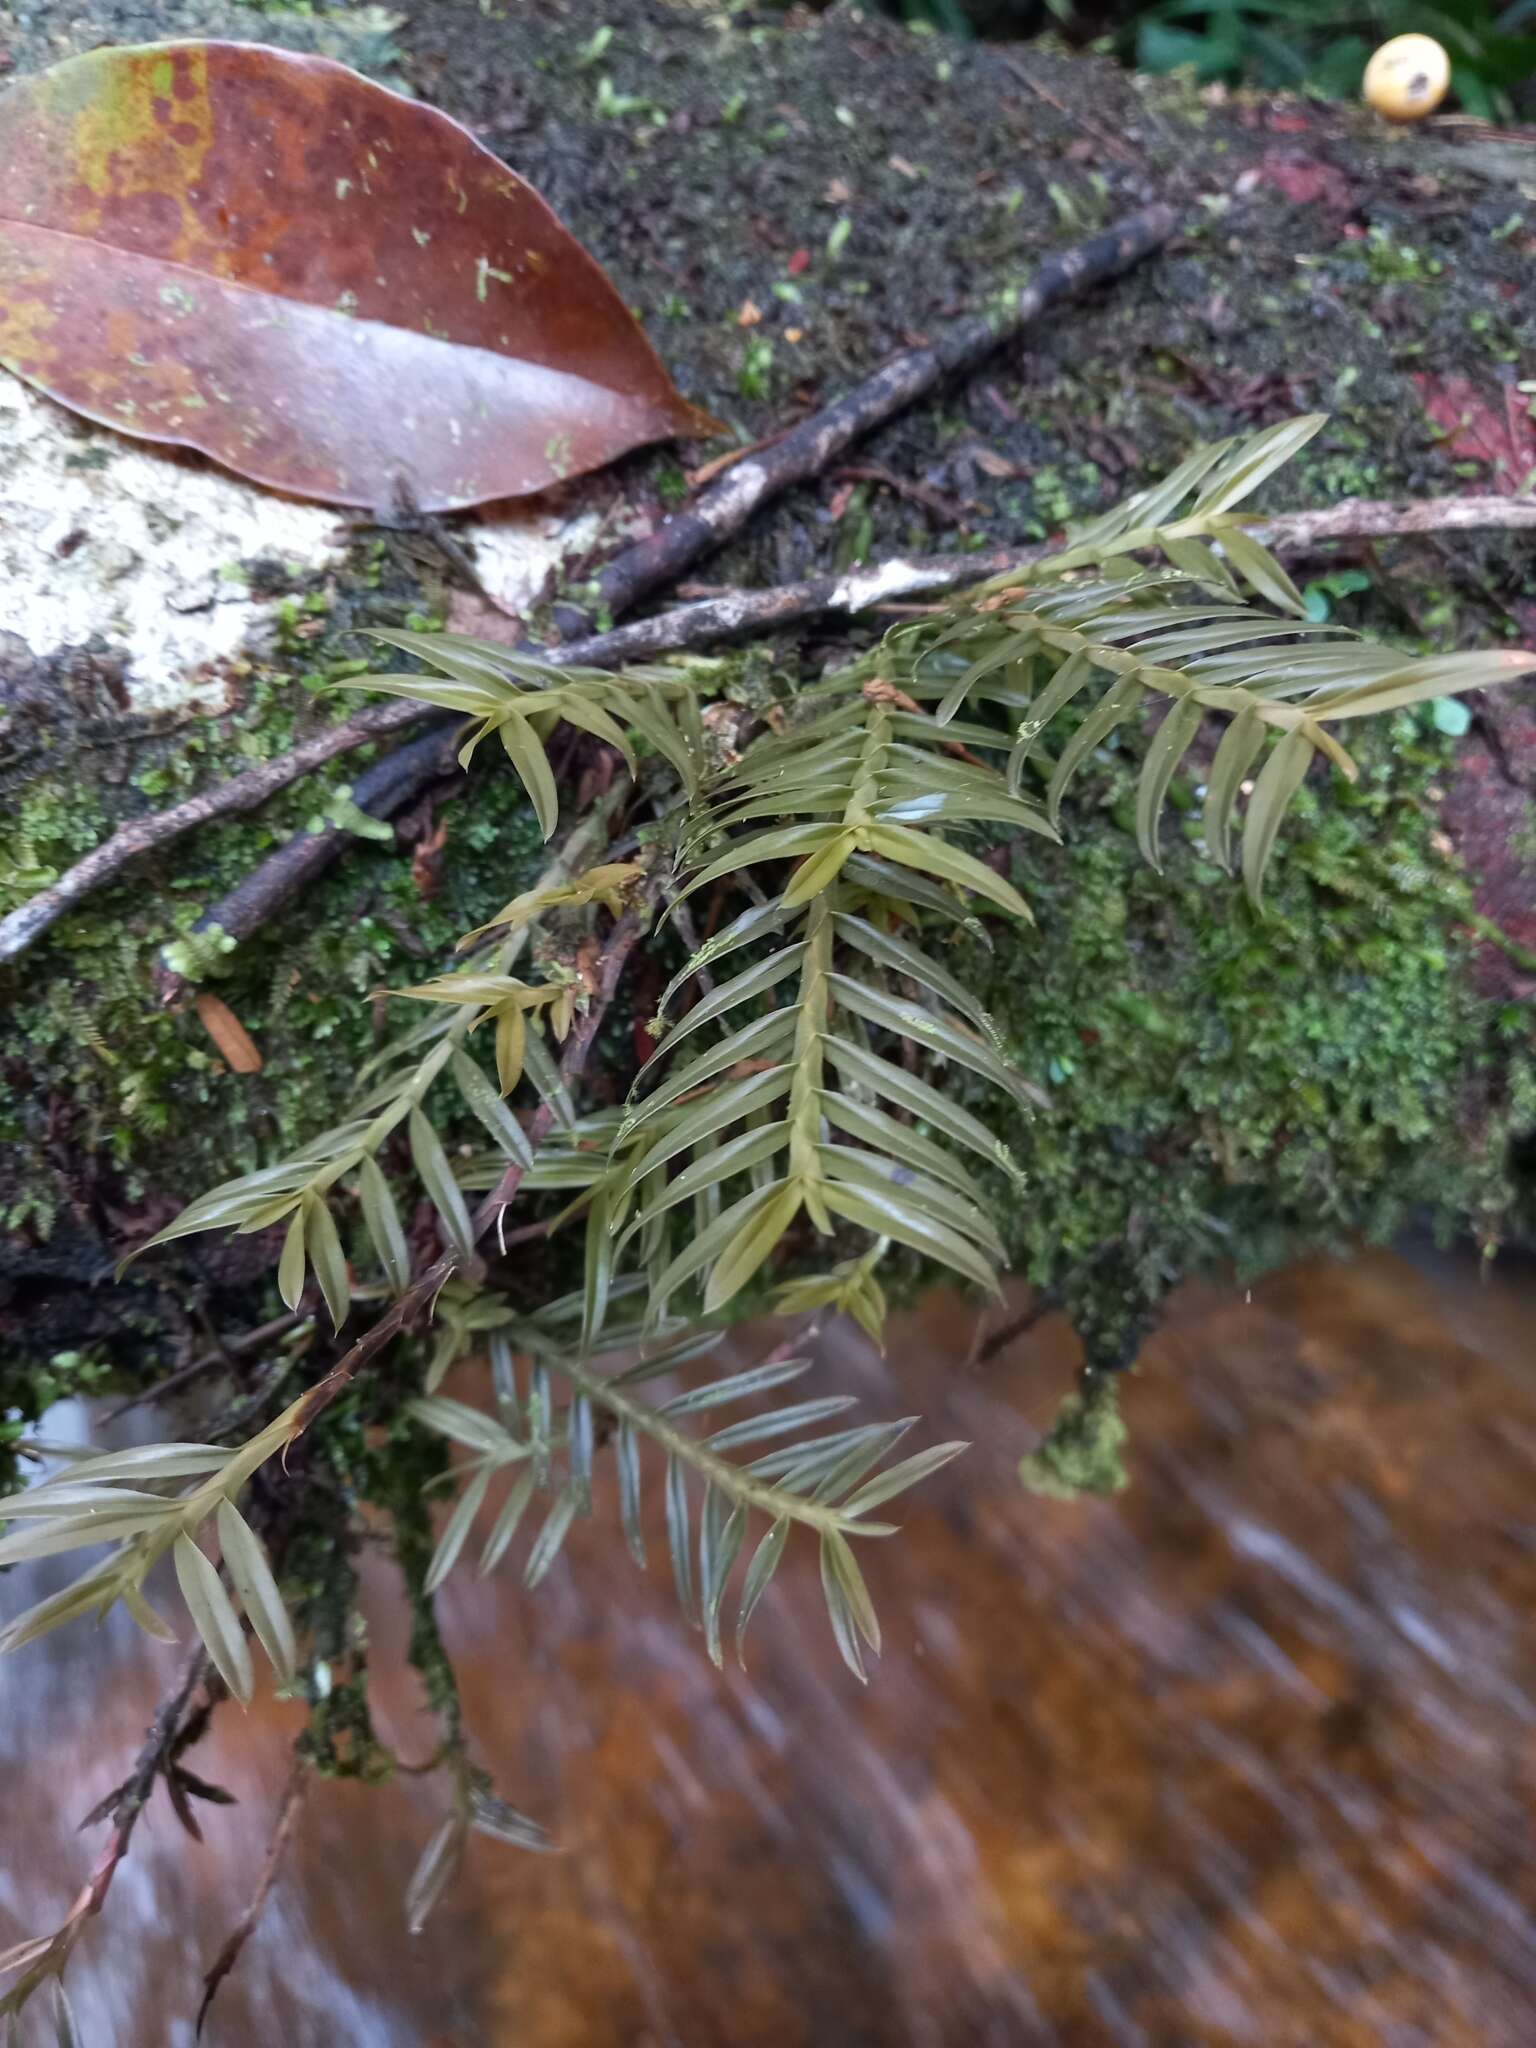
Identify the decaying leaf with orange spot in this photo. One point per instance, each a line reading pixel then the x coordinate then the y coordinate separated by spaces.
pixel 329 288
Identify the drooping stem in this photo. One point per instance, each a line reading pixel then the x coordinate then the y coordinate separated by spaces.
pixel 740 1486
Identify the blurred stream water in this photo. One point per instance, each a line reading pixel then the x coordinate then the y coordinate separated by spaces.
pixel 1245 1756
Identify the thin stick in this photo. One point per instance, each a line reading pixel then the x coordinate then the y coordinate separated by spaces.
pixel 244 1927
pixel 656 562
pixel 241 792
pixel 231 1349
pixel 810 449
pixel 47 1956
pixel 739 612
pixel 726 617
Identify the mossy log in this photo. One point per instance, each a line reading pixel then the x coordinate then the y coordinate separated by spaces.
pixel 785 201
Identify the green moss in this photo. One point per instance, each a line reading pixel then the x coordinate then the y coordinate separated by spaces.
pixel 147 1089
pixel 1083 1451
pixel 1228 1087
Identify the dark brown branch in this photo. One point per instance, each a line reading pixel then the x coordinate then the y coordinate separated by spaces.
pixel 986 1346
pixel 171 1732
pixel 230 1349
pixel 241 792
pixel 722 510
pixel 423 1292
pixel 731 615
pixel 810 449
pixel 244 1927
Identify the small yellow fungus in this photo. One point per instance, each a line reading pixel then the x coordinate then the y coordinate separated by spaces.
pixel 1407 78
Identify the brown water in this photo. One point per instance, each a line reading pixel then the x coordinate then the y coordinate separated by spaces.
pixel 1245 1757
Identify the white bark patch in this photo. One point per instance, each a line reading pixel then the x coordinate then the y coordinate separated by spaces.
pixel 866 587
pixel 106 539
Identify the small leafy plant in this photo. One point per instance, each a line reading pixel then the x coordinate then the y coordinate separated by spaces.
pixel 812 1105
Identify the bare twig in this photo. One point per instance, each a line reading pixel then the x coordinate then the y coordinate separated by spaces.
pixel 734 614
pixel 986 1344
pixel 906 487
pixel 169 1734
pixel 1381 519
pixel 1114 146
pixel 811 448
pixel 637 572
pixel 241 792
pixel 730 615
pixel 231 1348
pixel 240 1933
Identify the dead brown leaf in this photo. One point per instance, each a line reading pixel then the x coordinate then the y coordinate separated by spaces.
pixel 236 1045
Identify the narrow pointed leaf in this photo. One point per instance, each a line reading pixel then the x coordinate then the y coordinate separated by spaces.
pixel 1236 754
pixel 435 1872
pixel 384 1228
pixel 546 1546
pixel 579 1434
pixel 437 1178
pixel 290 1267
pixel 940 1034
pixel 901 958
pixel 247 1564
pixel 718 1163
pixel 754 1242
pixel 715 1571
pixel 508 1519
pixel 215 1618
pixel 678 1535
pixel 598 1270
pixel 1281 778
pixel 525 750
pixel 465 1425
pixel 909 1092
pixel 544 1073
pixel 709 1243
pixel 887 1216
pixel 1255 460
pixel 145 1461
pixel 1261 572
pixel 935 856
pixel 873 1127
pixel 845 1628
pixel 763 974
pixel 1169 746
pixel 725 1104
pixel 740 1386
pixel 886 1485
pixel 1116 705
pixel 456 1531
pixel 327 1258
pixel 147 1618
pixel 490 1108
pixel 627 1457
pixel 756 1429
pixel 89 1590
pixel 765 1562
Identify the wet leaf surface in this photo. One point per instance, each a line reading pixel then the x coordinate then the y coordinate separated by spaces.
pixel 330 288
